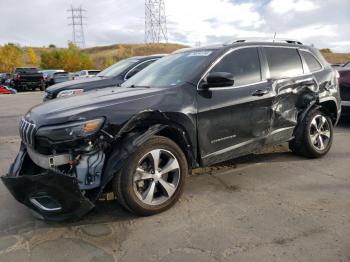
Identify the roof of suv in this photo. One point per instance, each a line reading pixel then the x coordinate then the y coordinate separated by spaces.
pixel 242 42
pixel 258 42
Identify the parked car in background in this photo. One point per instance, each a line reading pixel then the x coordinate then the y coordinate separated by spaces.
pixel 27 78
pixel 111 76
pixel 56 77
pixel 47 74
pixel 193 108
pixel 87 74
pixel 7 90
pixel 59 77
pixel 75 75
pixel 344 85
pixel 4 77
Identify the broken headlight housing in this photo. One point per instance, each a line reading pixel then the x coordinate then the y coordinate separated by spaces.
pixel 71 131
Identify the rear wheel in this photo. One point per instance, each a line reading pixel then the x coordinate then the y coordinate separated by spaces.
pixel 315 137
pixel 153 178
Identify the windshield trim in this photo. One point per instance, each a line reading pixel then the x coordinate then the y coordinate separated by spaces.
pixel 126 75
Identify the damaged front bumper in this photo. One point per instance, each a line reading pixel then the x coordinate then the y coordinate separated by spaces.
pixel 52 196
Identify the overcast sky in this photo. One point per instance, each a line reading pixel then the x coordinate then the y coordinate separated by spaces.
pixel 324 23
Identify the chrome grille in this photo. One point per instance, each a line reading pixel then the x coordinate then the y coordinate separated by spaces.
pixel 27 132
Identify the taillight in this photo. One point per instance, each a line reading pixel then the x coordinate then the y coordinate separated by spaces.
pixel 18 77
pixel 42 78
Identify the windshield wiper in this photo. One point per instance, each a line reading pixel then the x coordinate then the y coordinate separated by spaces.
pixel 134 86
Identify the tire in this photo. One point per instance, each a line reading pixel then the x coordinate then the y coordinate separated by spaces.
pixel 314 136
pixel 145 193
pixel 42 87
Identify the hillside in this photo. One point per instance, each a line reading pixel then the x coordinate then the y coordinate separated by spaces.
pixel 119 51
pixel 103 56
pixel 336 58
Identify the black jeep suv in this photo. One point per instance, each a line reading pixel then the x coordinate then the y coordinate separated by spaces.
pixel 193 108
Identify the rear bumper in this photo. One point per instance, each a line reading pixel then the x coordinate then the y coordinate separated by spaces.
pixel 53 196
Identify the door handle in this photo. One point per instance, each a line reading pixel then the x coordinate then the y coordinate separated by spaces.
pixel 260 92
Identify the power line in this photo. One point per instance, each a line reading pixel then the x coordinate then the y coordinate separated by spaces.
pixel 155 22
pixel 77 22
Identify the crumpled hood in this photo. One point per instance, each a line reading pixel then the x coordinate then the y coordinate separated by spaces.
pixel 110 102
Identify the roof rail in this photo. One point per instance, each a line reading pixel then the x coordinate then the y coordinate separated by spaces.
pixel 273 40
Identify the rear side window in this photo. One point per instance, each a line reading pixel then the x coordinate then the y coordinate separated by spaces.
pixel 283 62
pixel 243 64
pixel 311 61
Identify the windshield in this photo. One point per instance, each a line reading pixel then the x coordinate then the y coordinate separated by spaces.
pixel 117 68
pixel 171 70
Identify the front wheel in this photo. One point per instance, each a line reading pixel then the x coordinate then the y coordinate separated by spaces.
pixel 153 178
pixel 315 137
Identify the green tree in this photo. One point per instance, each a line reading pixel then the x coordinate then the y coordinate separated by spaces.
pixel 326 50
pixel 50 59
pixel 70 59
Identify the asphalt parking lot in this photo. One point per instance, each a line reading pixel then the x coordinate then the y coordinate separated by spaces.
pixel 271 206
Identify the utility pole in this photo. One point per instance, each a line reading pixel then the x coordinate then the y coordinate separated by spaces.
pixel 77 18
pixel 155 22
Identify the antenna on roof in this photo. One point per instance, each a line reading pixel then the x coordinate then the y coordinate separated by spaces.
pixel 274 36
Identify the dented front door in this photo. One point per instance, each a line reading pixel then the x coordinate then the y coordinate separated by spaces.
pixel 233 121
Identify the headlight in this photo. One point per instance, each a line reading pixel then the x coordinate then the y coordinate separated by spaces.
pixel 71 131
pixel 72 92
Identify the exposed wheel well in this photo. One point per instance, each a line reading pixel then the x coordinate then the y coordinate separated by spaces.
pixel 330 108
pixel 179 137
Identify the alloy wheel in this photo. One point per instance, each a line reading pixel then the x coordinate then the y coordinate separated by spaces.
pixel 320 132
pixel 156 177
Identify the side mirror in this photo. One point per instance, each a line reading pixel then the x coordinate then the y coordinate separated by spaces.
pixel 219 79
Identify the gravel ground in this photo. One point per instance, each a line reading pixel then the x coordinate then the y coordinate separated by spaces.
pixel 271 206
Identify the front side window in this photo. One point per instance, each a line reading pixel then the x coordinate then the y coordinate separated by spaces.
pixel 347 65
pixel 243 64
pixel 311 61
pixel 283 62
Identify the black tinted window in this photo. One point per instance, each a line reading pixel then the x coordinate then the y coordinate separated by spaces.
pixel 311 61
pixel 283 62
pixel 244 64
